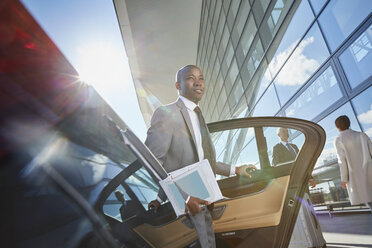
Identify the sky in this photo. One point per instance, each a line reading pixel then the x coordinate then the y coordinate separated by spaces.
pixel 87 33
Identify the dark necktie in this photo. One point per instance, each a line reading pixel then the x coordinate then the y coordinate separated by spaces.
pixel 204 135
pixel 291 149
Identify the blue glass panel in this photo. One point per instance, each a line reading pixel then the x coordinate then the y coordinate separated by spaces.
pixel 248 35
pixel 363 109
pixel 357 59
pixel 113 210
pixel 264 81
pixel 249 153
pixel 340 18
pixel 304 61
pixel 236 93
pixel 317 5
pixel 323 92
pixel 297 27
pixel 268 104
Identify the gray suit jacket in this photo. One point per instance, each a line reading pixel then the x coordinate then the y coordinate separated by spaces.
pixel 171 139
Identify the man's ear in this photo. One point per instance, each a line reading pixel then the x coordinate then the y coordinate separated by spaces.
pixel 178 86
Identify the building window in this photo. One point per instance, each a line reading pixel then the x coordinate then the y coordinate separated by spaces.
pixel 248 35
pixel 304 61
pixel 253 60
pixel 271 23
pixel 317 5
pixel 363 109
pixel 240 21
pixel 233 73
pixel 321 94
pixel 268 105
pixel 234 7
pixel 296 29
pixel 259 9
pixel 264 81
pixel 340 18
pixel 236 93
pixel 357 59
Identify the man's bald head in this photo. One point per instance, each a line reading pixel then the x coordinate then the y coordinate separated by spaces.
pixel 183 70
pixel 283 133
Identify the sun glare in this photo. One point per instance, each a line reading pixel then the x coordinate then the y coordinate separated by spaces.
pixel 101 66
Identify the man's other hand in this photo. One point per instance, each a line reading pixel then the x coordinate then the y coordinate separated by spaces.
pixel 312 182
pixel 343 185
pixel 193 205
pixel 154 205
pixel 245 170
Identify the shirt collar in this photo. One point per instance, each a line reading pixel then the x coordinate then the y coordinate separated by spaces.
pixel 283 142
pixel 345 131
pixel 189 104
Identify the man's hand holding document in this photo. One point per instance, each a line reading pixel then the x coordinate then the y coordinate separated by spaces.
pixel 194 184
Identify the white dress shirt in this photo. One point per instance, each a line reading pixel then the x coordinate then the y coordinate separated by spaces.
pixel 195 125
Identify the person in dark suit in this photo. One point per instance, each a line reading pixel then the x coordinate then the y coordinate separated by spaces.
pixel 284 151
pixel 120 197
pixel 178 137
pixel 128 208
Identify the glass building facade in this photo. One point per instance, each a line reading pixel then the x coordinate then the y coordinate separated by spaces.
pixel 309 59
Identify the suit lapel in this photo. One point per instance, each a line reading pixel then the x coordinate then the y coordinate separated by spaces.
pixel 288 153
pixel 187 119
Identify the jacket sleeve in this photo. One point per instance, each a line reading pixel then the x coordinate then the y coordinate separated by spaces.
pixel 223 169
pixel 342 160
pixel 159 135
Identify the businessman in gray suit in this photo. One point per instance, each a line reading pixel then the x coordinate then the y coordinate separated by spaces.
pixel 178 137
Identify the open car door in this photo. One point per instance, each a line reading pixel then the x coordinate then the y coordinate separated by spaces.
pixel 260 210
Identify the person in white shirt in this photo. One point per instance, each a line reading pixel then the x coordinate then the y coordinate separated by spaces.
pixel 354 152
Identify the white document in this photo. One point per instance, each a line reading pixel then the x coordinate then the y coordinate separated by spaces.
pixel 195 180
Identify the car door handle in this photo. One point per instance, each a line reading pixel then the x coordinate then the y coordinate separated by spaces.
pixel 218 211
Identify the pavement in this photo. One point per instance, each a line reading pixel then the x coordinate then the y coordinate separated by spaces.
pixel 347 229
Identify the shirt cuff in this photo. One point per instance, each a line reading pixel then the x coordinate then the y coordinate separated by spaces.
pixel 232 170
pixel 187 200
pixel 159 200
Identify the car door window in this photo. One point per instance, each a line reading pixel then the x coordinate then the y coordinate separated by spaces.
pixel 143 186
pixel 113 205
pixel 240 146
pixel 136 189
